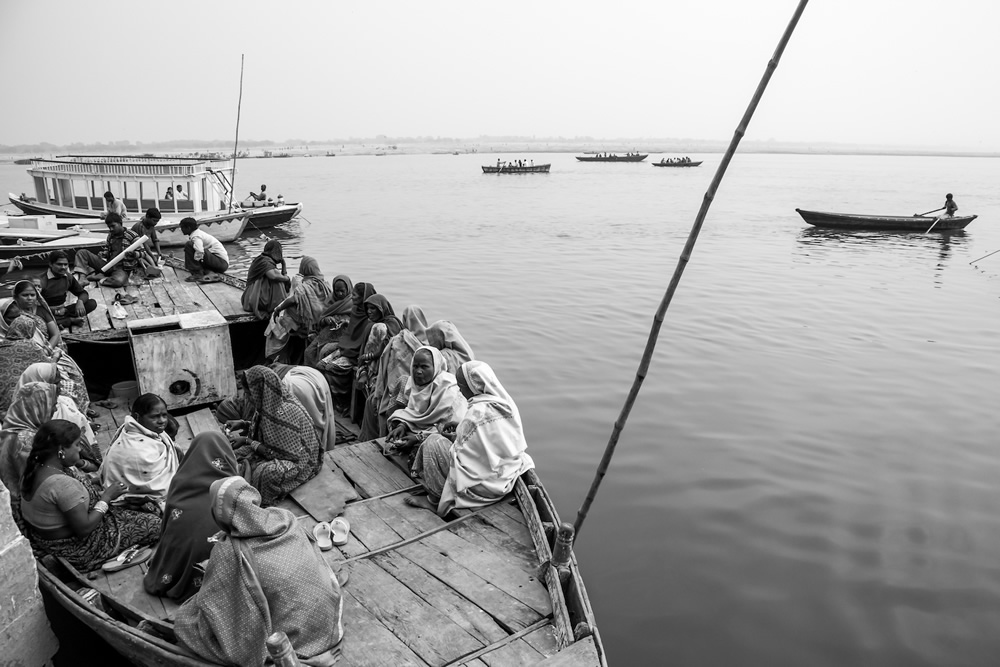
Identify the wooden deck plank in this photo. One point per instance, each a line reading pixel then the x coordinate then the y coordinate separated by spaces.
pixel 543 640
pixel 325 495
pixel 414 621
pixel 368 531
pixel 489 564
pixel 368 643
pixel 515 654
pixel 126 585
pixel 517 548
pixel 463 613
pixel 162 296
pixel 100 318
pixel 226 298
pixel 513 511
pixel 580 654
pixel 371 473
pixel 203 420
pixel 184 434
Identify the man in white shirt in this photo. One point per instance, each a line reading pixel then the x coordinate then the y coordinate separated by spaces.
pixel 114 206
pixel 180 194
pixel 203 253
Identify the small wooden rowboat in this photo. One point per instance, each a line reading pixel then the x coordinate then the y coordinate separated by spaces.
pixel 495 586
pixel 513 169
pixel 631 157
pixel 661 163
pixel 35 252
pixel 920 223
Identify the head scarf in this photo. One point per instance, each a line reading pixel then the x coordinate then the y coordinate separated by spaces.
pixel 440 400
pixel 445 336
pixel 356 332
pixel 187 519
pixel 33 405
pixel 260 579
pixel 311 293
pixel 340 306
pixel 415 322
pixel 311 390
pixel 68 378
pixel 489 449
pixel 268 259
pixel 15 357
pixel 282 423
pixel 23 327
pixel 145 460
pixel 386 315
pixel 39 372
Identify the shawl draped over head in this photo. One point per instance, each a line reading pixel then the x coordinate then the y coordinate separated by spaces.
pixel 26 327
pixel 36 403
pixel 311 389
pixel 445 336
pixel 385 314
pixel 488 454
pixel 356 332
pixel 144 460
pixel 268 259
pixel 415 322
pixel 290 453
pixel 340 306
pixel 64 373
pixel 187 519
pixel 311 293
pixel 16 356
pixel 440 400
pixel 266 576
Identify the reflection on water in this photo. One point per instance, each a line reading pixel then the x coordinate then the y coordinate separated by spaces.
pixel 809 476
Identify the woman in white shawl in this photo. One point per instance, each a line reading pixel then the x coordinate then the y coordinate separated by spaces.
pixel 444 335
pixel 433 399
pixel 478 463
pixel 141 454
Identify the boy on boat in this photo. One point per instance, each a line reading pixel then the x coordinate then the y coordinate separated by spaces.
pixel 203 253
pixel 54 285
pixel 89 263
pixel 949 206
pixel 147 227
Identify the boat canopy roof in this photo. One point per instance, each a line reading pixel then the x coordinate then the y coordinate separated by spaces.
pixel 128 166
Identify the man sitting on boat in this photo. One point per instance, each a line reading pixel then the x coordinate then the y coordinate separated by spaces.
pixel 56 283
pixel 262 196
pixel 114 206
pixel 147 227
pixel 203 253
pixel 180 194
pixel 950 207
pixel 90 264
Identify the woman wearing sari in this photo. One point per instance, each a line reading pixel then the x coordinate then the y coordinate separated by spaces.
pixel 265 283
pixel 265 575
pixel 22 335
pixel 16 356
pixel 478 463
pixel 141 454
pixel 281 451
pixel 335 316
pixel 67 516
pixel 66 375
pixel 393 372
pixel 339 359
pixel 433 400
pixel 385 325
pixel 38 402
pixel 309 387
pixel 445 336
pixel 27 301
pixel 297 317
pixel 187 519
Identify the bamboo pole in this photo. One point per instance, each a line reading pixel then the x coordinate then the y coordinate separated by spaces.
pixel 654 331
pixel 239 105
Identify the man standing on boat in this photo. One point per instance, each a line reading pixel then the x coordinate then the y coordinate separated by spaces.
pixel 203 253
pixel 114 206
pixel 56 283
pixel 89 263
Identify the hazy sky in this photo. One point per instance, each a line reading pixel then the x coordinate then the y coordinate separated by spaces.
pixel 888 72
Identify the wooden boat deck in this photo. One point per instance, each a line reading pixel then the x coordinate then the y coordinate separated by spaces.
pixel 170 294
pixel 421 590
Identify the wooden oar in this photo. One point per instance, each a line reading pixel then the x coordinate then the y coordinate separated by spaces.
pixel 918 215
pixel 647 354
pixel 933 223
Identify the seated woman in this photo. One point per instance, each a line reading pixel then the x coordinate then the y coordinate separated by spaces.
pixel 480 461
pixel 268 575
pixel 266 285
pixel 393 372
pixel 22 334
pixel 141 454
pixel 187 519
pixel 310 388
pixel 335 316
pixel 433 400
pixel 385 325
pixel 16 356
pixel 35 403
pixel 297 317
pixel 445 336
pixel 28 302
pixel 339 359
pixel 68 377
pixel 65 515
pixel 282 450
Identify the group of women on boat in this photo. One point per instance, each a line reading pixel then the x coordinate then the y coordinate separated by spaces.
pixel 211 511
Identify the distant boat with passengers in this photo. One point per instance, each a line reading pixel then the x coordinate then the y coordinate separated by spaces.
pixel 677 162
pixel 516 167
pixel 613 157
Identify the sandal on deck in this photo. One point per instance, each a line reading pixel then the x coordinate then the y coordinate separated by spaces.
pixel 341 531
pixel 128 558
pixel 322 532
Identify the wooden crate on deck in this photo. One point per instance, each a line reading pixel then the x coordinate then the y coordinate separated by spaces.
pixel 186 358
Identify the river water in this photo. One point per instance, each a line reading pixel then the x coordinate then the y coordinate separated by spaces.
pixel 809 475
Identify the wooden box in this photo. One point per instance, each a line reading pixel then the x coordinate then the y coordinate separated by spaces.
pixel 187 359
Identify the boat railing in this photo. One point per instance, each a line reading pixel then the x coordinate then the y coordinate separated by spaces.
pixel 179 171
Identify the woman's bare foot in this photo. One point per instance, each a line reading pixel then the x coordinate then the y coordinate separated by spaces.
pixel 420 501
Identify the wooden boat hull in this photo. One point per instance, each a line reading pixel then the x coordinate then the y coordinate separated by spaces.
pixel 533 169
pixel 916 223
pixel 677 164
pixel 269 216
pixel 38 251
pixel 612 158
pixel 227 228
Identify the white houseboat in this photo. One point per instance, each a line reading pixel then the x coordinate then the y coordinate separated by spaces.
pixel 73 186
